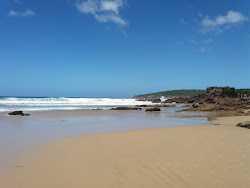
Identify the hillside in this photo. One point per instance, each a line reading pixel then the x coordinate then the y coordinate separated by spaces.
pixel 172 93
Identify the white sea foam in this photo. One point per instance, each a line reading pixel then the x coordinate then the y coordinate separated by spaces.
pixel 61 103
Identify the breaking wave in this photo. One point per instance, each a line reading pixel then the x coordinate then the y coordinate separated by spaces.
pixel 62 103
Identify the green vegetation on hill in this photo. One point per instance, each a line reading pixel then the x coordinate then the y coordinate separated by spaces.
pixel 244 91
pixel 232 92
pixel 172 93
pixel 229 91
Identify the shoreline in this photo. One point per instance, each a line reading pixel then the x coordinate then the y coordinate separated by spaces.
pixel 181 156
pixel 20 134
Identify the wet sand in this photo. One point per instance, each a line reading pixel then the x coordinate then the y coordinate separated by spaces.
pixel 19 135
pixel 185 156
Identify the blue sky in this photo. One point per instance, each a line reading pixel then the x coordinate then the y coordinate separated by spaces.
pixel 120 48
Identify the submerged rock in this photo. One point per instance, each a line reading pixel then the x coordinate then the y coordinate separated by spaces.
pixel 164 105
pixel 126 108
pixel 153 110
pixel 245 124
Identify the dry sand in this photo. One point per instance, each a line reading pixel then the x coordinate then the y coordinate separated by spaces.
pixel 216 156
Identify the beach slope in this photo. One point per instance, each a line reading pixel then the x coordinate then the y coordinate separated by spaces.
pixel 206 156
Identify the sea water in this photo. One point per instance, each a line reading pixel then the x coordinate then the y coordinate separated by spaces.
pixel 33 104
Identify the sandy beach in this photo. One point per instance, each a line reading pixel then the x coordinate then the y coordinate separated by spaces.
pixel 124 94
pixel 206 156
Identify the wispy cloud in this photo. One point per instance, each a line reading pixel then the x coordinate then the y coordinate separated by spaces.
pixel 104 11
pixel 193 41
pixel 208 41
pixel 183 21
pixel 204 49
pixel 200 14
pixel 221 23
pixel 25 13
pixel 18 1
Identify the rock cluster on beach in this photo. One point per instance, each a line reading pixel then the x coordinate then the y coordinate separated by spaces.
pixel 245 124
pixel 18 113
pixel 126 108
pixel 155 109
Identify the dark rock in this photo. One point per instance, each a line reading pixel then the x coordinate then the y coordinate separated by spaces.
pixel 177 100
pixel 25 114
pixel 245 124
pixel 155 100
pixel 97 109
pixel 16 113
pixel 126 108
pixel 190 101
pixel 142 105
pixel 153 110
pixel 196 105
pixel 215 91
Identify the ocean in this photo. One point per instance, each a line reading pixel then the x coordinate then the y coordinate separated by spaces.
pixel 34 104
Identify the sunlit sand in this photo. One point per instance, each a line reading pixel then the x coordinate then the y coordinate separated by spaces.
pixel 188 156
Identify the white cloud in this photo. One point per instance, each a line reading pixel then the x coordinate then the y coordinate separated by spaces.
pixel 89 6
pixel 112 5
pixel 208 41
pixel 221 23
pixel 104 11
pixel 26 13
pixel 104 18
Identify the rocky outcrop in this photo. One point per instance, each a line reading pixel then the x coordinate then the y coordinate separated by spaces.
pixel 213 100
pixel 245 124
pixel 214 91
pixel 126 108
pixel 153 109
pixel 223 104
pixel 18 113
pixel 212 95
